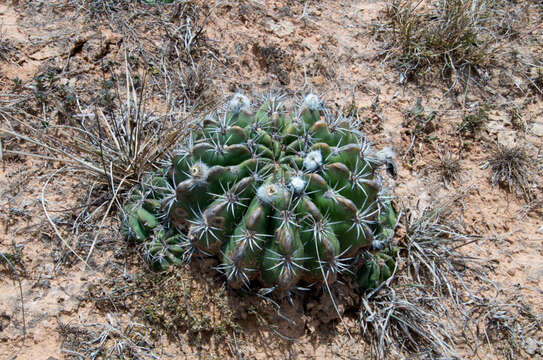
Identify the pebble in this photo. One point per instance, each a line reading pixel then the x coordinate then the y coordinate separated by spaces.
pixel 506 137
pixel 534 274
pixel 537 129
pixel 530 346
pixel 281 29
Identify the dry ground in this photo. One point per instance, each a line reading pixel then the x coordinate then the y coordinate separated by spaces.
pixel 459 115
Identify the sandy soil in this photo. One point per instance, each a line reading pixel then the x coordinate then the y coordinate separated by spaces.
pixel 53 305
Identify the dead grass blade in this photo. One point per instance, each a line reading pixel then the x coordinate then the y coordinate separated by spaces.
pixel 512 167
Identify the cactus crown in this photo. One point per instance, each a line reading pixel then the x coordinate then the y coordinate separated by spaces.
pixel 282 199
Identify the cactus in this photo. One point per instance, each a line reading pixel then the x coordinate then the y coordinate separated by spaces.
pixel 377 268
pixel 280 199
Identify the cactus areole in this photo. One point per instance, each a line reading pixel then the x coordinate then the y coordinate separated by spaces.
pixel 281 199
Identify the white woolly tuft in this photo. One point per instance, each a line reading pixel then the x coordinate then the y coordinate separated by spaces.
pixel 311 101
pixel 267 193
pixel 199 171
pixel 313 160
pixel 297 184
pixel 239 102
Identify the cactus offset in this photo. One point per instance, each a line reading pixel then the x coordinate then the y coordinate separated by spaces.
pixel 377 268
pixel 282 199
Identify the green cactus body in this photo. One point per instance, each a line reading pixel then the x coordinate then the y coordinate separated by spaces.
pixel 280 199
pixel 377 268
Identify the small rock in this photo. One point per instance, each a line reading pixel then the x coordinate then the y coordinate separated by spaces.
pixel 45 53
pixel 530 346
pixel 494 126
pixel 111 37
pixel 537 129
pixel 506 137
pixel 368 54
pixel 540 230
pixel 511 272
pixel 281 29
pixel 535 274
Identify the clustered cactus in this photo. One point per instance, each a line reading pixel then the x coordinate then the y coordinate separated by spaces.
pixel 283 199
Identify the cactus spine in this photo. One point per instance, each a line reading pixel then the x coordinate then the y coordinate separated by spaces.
pixel 280 199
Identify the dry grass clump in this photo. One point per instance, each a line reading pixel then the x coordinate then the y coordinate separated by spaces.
pixel 413 314
pixel 439 297
pixel 113 139
pixel 459 37
pixel 448 167
pixel 512 167
pixel 112 339
pixel 116 142
pixel 504 321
